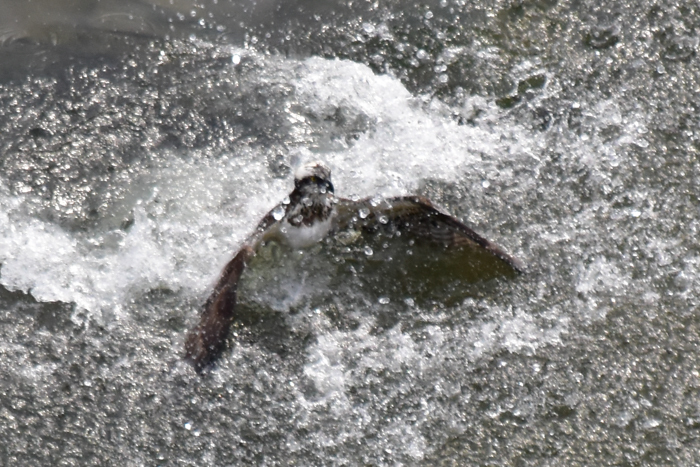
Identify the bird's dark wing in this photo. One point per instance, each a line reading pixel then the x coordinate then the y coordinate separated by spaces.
pixel 417 221
pixel 207 340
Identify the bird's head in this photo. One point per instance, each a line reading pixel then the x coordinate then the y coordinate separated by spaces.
pixel 313 176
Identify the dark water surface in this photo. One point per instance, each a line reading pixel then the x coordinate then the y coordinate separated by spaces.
pixel 142 141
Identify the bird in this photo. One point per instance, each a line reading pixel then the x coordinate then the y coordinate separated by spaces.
pixel 312 213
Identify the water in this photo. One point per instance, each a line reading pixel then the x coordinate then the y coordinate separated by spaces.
pixel 143 141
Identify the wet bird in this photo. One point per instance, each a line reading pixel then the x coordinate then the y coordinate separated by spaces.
pixel 313 213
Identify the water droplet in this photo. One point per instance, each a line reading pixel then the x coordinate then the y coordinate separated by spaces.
pixel 236 59
pixel 384 300
pixel 278 212
pixel 286 200
pixel 486 184
pixel 368 251
pixel 188 426
pixel 364 212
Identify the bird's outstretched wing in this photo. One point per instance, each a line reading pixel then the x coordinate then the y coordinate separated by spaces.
pixel 207 340
pixel 461 251
pixel 452 250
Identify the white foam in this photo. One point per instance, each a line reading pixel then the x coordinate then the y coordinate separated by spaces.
pixel 410 139
pixel 192 215
pixel 180 238
pixel 519 333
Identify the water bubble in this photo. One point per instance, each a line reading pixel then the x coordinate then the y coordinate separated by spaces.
pixel 368 251
pixel 188 426
pixel 286 200
pixel 368 28
pixel 383 219
pixel 602 37
pixel 421 54
pixel 680 48
pixel 409 301
pixel 652 423
pixel 486 184
pixel 278 212
pixel 236 59
pixel 428 14
pixel 384 300
pixel 364 212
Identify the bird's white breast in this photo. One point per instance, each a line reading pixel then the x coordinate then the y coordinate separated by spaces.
pixel 302 237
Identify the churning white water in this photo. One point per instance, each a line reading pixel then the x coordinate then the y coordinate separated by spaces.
pixel 128 183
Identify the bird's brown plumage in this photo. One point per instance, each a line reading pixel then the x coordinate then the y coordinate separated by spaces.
pixel 410 216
